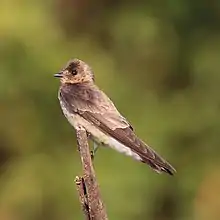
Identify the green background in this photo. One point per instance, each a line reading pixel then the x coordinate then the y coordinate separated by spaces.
pixel 159 61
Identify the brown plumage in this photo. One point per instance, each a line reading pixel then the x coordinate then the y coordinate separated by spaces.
pixel 84 104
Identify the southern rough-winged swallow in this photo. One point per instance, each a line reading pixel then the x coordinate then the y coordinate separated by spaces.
pixel 85 105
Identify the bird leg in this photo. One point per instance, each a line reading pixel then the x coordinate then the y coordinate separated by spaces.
pixel 95 146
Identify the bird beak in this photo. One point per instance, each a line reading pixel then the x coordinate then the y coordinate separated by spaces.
pixel 59 75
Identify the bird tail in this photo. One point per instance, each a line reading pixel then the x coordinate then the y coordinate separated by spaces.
pixel 155 161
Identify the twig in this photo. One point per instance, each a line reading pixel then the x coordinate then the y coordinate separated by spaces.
pixel 87 185
pixel 81 188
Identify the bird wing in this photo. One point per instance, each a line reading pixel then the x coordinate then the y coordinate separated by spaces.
pixel 97 108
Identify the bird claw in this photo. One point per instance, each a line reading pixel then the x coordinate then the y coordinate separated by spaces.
pixel 92 154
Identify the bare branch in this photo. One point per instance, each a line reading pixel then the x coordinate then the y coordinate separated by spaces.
pixel 87 185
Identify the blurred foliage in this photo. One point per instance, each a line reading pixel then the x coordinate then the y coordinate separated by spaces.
pixel 159 62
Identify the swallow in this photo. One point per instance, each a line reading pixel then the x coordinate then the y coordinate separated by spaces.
pixel 85 105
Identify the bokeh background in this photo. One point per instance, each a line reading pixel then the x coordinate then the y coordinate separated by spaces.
pixel 160 63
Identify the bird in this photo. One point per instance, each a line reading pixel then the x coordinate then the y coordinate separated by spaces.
pixel 86 106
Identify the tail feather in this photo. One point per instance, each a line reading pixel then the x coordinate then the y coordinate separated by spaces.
pixel 156 162
pixel 146 153
pixel 160 169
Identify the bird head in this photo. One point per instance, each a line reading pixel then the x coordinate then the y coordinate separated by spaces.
pixel 76 71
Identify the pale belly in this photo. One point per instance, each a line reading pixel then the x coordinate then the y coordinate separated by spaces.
pixel 98 136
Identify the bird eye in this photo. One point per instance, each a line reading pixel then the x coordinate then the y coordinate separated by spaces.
pixel 74 72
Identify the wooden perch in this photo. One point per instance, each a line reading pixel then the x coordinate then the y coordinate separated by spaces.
pixel 87 185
